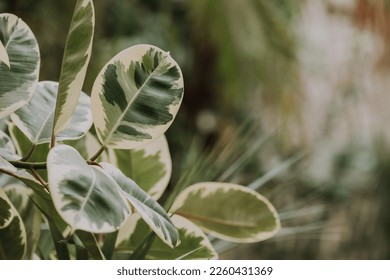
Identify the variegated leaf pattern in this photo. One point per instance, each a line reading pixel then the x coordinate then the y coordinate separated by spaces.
pixel 19 78
pixel 228 211
pixel 3 55
pixel 194 244
pixel 7 147
pixel 84 196
pixel 150 166
pixel 12 231
pixel 20 195
pixel 35 119
pixel 153 214
pixel 77 54
pixel 136 97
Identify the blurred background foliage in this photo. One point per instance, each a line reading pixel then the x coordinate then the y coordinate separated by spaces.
pixel 265 83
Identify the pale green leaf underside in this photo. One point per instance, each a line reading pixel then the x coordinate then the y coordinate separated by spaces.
pixel 35 119
pixel 19 78
pixel 153 214
pixel 77 54
pixel 228 211
pixel 84 196
pixel 136 96
pixel 3 55
pixel 12 231
pixel 194 244
pixel 150 166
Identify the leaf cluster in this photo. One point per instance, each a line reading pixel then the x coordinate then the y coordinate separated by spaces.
pixel 87 172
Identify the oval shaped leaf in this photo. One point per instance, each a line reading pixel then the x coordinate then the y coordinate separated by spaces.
pixel 19 78
pixel 153 214
pixel 150 166
pixel 228 211
pixel 136 97
pixel 12 231
pixel 35 119
pixel 77 53
pixel 84 196
pixel 194 244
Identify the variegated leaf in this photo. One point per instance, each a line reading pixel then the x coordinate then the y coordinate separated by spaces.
pixel 12 231
pixel 136 96
pixel 228 211
pixel 19 78
pixel 7 147
pixel 75 62
pixel 153 214
pixel 35 119
pixel 194 244
pixel 19 195
pixel 84 196
pixel 3 55
pixel 150 166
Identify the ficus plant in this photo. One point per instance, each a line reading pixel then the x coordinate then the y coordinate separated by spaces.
pixel 82 174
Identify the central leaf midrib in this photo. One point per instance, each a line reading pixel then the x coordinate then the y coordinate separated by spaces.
pixel 44 123
pixel 215 221
pixel 92 187
pixel 117 123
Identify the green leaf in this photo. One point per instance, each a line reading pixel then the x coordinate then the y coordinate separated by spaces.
pixel 19 78
pixel 84 196
pixel 136 96
pixel 9 169
pixel 7 147
pixel 75 62
pixel 153 214
pixel 87 146
pixel 35 119
pixel 228 211
pixel 150 166
pixel 30 214
pixel 194 244
pixel 24 147
pixel 3 55
pixel 12 231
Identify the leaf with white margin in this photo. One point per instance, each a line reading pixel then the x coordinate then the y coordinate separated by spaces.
pixel 19 78
pixel 77 54
pixel 7 147
pixel 3 55
pixel 136 96
pixel 19 195
pixel 153 214
pixel 84 196
pixel 228 211
pixel 12 231
pixel 150 166
pixel 35 119
pixel 194 244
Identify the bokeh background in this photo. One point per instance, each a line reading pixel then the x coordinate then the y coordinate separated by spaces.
pixel 294 94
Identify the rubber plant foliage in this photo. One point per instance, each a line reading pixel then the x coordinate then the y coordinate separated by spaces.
pixel 93 192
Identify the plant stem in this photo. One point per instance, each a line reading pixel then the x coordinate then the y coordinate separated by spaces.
pixel 29 153
pixel 39 178
pixel 28 165
pixel 53 140
pixel 98 153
